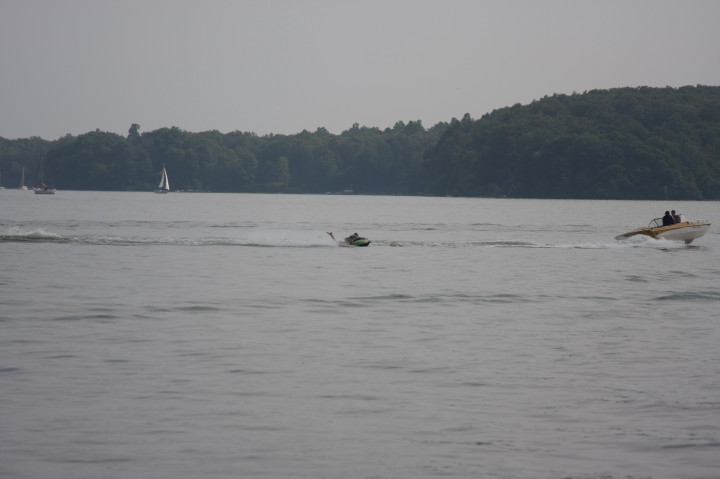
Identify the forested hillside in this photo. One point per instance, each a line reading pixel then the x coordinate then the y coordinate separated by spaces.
pixel 627 143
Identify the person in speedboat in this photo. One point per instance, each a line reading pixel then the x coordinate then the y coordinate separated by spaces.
pixel 668 219
pixel 677 217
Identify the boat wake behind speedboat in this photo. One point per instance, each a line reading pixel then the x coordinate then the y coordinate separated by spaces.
pixel 686 231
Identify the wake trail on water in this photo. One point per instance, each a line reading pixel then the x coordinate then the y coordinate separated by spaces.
pixel 257 239
pixel 37 235
pixel 644 242
pixel 308 239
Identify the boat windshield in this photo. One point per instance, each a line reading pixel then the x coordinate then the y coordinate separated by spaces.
pixel 655 223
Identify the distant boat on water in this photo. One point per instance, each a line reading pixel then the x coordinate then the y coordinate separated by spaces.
pixel 164 185
pixel 22 180
pixel 44 190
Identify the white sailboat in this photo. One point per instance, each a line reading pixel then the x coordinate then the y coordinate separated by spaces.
pixel 22 180
pixel 43 189
pixel 164 185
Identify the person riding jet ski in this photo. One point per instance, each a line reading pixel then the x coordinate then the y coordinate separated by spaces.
pixel 352 240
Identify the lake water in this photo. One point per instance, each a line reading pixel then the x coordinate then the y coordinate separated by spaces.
pixel 188 336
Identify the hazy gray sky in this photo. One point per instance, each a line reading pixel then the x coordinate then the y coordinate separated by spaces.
pixel 283 66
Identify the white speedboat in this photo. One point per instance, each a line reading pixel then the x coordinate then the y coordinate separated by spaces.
pixel 686 231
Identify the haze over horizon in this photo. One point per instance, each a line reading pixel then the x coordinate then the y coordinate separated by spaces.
pixel 285 66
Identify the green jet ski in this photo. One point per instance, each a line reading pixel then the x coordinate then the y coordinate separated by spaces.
pixel 352 240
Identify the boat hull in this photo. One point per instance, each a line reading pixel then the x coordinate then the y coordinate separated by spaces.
pixel 687 231
pixel 44 191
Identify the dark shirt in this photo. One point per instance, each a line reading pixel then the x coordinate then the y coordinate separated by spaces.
pixel 668 220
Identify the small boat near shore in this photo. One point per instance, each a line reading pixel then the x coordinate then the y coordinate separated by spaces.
pixel 22 181
pixel 686 231
pixel 164 185
pixel 44 190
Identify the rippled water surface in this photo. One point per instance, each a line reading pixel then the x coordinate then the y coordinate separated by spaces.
pixel 195 336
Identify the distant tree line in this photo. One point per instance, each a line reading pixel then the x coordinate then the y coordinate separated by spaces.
pixel 361 159
pixel 626 143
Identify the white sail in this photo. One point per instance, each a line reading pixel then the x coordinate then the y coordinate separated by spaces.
pixel 22 180
pixel 164 185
